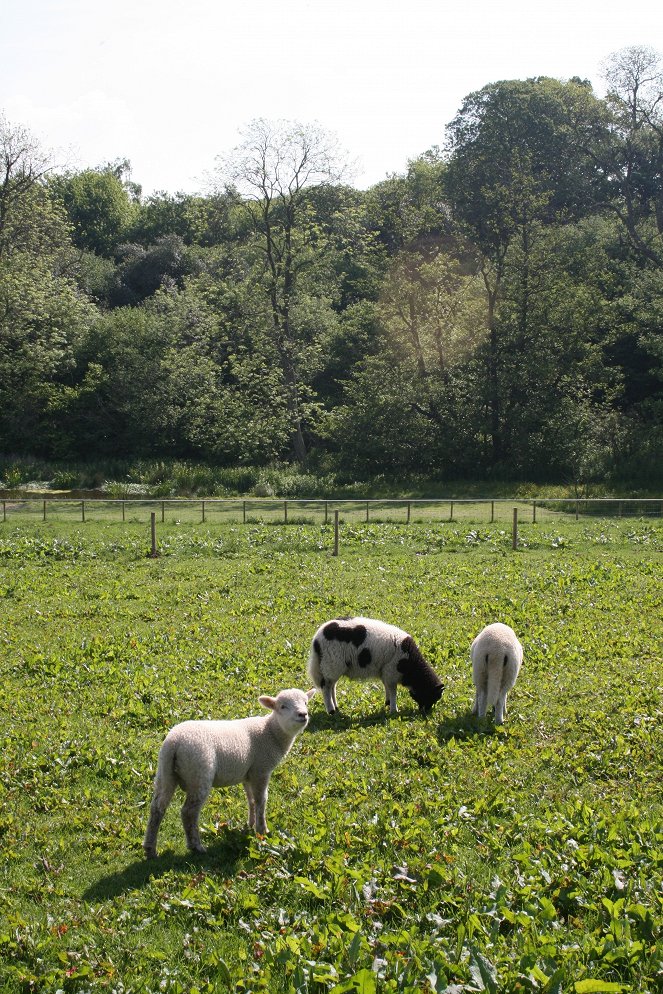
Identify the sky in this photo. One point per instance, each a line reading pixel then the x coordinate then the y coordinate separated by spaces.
pixel 168 84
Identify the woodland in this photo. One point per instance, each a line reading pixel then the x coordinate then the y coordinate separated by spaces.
pixel 493 312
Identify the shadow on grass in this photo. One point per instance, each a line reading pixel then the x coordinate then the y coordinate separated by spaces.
pixel 221 857
pixel 320 721
pixel 465 725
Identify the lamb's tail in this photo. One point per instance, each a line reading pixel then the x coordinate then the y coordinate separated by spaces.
pixel 313 666
pixel 165 780
pixel 495 662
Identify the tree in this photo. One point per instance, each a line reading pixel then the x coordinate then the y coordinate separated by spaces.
pixel 272 168
pixel 101 205
pixel 518 157
pixel 25 222
pixel 633 155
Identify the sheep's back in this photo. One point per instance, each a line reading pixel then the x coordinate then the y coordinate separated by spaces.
pixel 360 648
pixel 222 750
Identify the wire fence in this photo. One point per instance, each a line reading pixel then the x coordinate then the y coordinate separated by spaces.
pixel 259 510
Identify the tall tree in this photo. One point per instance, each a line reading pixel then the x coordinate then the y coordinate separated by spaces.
pixel 517 158
pixel 633 155
pixel 272 168
pixel 102 206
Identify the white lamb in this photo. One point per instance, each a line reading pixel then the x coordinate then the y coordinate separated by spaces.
pixel 199 755
pixel 497 656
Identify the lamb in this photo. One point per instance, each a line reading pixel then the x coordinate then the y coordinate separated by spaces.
pixel 497 656
pixel 199 755
pixel 365 649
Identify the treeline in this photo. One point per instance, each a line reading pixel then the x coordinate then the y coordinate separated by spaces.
pixel 496 310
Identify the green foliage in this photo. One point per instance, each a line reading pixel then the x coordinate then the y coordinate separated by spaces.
pixel 405 854
pixel 101 207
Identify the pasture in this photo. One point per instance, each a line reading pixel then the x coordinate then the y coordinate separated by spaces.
pixel 405 854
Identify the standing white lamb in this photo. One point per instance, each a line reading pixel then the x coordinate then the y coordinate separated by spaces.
pixel 199 755
pixel 367 649
pixel 497 656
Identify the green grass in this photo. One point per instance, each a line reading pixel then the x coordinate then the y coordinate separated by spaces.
pixel 405 854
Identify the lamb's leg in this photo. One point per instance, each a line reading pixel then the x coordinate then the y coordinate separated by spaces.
pixel 500 708
pixel 329 696
pixel 259 788
pixel 248 790
pixel 190 814
pixel 482 702
pixel 163 794
pixel 390 697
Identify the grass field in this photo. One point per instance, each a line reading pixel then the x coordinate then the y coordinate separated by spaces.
pixel 405 854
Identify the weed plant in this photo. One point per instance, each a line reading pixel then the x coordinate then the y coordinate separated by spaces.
pixel 405 854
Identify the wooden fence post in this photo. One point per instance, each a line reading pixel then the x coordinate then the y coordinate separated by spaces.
pixel 153 529
pixel 82 510
pixel 163 511
pixel 326 511
pixel 4 510
pixel 408 512
pixel 367 511
pixel 335 553
pixel 576 510
pixel 203 512
pixel 123 510
pixel 514 537
pixel 451 511
pixel 285 512
pixel 533 512
pixel 492 511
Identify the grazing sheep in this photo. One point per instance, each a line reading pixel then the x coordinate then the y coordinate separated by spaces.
pixel 364 649
pixel 496 659
pixel 199 755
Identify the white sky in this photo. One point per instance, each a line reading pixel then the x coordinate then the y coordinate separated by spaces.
pixel 168 83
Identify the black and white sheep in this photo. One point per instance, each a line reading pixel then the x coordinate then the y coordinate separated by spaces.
pixel 366 649
pixel 497 656
pixel 199 755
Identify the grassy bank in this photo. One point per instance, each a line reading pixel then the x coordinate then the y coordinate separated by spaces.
pixel 404 854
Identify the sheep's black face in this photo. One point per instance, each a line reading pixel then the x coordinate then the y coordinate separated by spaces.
pixel 427 698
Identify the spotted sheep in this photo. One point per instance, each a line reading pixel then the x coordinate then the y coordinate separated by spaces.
pixel 199 755
pixel 497 656
pixel 366 649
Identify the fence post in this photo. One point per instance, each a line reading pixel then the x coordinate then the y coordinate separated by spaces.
pixel 533 512
pixel 492 511
pixel 4 510
pixel 451 511
pixel 203 512
pixel 620 509
pixel 514 537
pixel 82 510
pixel 153 529
pixel 335 533
pixel 326 511
pixel 408 512
pixel 285 512
pixel 123 510
pixel 576 510
pixel 243 512
pixel 366 511
pixel 163 511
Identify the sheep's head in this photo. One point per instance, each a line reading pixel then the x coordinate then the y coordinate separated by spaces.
pixel 428 695
pixel 290 708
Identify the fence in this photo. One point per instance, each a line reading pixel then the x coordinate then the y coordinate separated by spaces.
pixel 252 510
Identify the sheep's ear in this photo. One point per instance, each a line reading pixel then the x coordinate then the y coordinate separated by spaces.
pixel 310 693
pixel 268 702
